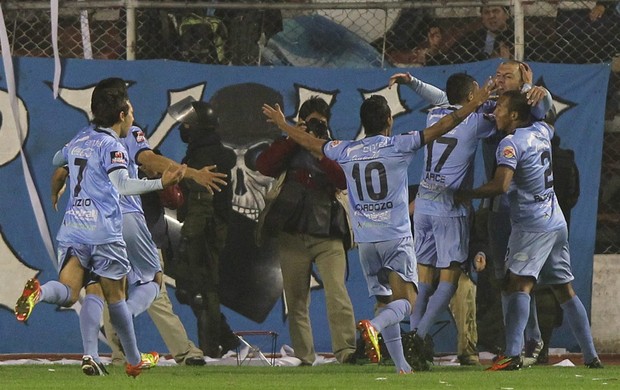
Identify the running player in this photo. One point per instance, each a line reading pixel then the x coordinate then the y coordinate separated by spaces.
pixel 90 244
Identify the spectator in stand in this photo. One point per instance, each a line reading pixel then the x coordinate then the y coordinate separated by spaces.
pixel 589 36
pixel 601 8
pixel 430 52
pixel 494 39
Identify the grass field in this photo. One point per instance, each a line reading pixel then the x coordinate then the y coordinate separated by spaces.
pixel 321 377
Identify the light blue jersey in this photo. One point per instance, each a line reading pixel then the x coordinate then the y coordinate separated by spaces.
pixel 134 143
pixel 533 204
pixel 376 171
pixel 449 163
pixel 93 216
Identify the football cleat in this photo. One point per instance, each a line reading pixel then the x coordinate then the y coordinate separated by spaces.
pixel 405 372
pixel 149 360
pixel 531 351
pixel 93 368
pixel 418 352
pixel 596 363
pixel 506 363
pixel 371 340
pixel 29 298
pixel 133 371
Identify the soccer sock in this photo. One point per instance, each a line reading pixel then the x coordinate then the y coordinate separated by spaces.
pixel 517 310
pixel 392 340
pixel 90 321
pixel 141 296
pixel 437 304
pixel 578 321
pixel 123 324
pixel 55 292
pixel 392 313
pixel 425 290
pixel 532 330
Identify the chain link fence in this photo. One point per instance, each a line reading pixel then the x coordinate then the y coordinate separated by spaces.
pixel 344 33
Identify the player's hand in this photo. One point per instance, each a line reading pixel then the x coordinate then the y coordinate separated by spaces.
pixel 526 73
pixel 480 262
pixel 483 93
pixel 274 115
pixel 209 178
pixel 535 94
pixel 400 78
pixel 460 197
pixel 171 177
pixel 57 196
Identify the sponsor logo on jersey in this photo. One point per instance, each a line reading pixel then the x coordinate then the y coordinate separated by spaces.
pixel 508 152
pixel 118 158
pixel 139 136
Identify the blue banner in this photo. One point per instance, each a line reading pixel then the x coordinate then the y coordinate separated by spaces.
pixel 579 95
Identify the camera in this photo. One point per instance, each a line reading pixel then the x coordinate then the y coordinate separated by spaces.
pixel 317 127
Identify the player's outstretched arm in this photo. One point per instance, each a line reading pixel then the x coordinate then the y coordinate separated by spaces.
pixel 297 133
pixel 128 186
pixel 428 92
pixel 452 120
pixel 173 174
pixel 206 177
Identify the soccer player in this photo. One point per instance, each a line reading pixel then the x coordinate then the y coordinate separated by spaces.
pixel 441 227
pixel 90 243
pixel 145 277
pixel 510 76
pixel 376 172
pixel 538 245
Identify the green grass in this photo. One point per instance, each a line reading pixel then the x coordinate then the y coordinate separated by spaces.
pixel 322 377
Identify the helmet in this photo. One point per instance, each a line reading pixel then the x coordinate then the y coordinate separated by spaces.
pixel 193 113
pixel 206 117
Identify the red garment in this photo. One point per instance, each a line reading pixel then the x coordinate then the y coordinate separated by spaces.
pixel 275 159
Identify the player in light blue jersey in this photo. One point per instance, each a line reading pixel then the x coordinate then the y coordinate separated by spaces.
pixel 441 227
pixel 376 172
pixel 538 249
pixel 145 276
pixel 510 75
pixel 90 243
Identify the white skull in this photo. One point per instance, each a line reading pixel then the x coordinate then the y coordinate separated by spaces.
pixel 249 186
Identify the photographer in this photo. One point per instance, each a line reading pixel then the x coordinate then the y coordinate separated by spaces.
pixel 303 214
pixel 205 226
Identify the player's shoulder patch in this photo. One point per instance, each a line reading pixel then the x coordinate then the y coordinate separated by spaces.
pixel 333 144
pixel 118 157
pixel 139 135
pixel 508 152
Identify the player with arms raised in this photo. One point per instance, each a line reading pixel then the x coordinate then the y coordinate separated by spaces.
pixel 376 171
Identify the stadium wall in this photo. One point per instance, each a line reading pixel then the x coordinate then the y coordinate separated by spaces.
pixel 252 301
